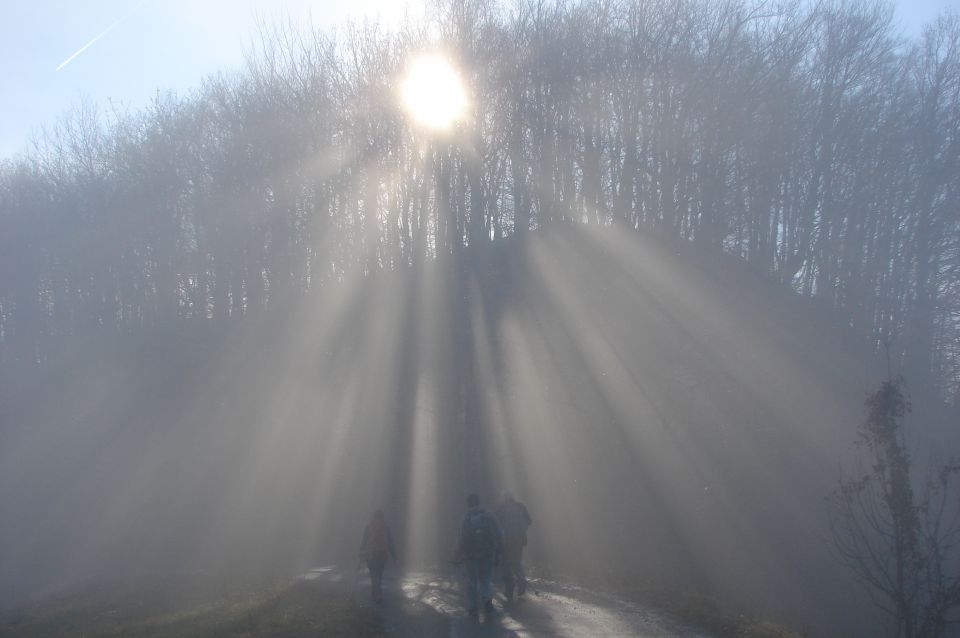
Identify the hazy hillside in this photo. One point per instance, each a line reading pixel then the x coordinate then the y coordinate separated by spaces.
pixel 669 420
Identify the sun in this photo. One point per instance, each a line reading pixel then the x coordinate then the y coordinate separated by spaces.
pixel 432 93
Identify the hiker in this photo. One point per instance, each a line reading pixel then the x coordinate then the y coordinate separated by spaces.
pixel 479 550
pixel 377 546
pixel 514 521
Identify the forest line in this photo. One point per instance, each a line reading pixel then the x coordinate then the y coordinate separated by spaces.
pixel 810 140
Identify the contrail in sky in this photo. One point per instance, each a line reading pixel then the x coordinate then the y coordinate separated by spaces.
pixel 102 33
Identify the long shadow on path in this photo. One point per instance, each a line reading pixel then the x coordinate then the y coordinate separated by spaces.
pixel 424 604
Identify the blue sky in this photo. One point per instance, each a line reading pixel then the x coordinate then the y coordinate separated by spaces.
pixel 163 44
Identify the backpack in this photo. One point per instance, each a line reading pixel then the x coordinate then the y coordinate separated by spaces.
pixel 477 535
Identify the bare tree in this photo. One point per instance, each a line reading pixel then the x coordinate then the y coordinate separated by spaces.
pixel 808 140
pixel 902 542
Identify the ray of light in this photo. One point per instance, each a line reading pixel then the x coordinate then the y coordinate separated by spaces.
pixel 697 447
pixel 422 543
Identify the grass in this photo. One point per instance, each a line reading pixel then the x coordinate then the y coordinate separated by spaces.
pixel 278 610
pixel 709 614
pixel 238 608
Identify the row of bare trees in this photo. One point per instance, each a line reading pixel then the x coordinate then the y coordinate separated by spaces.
pixel 811 140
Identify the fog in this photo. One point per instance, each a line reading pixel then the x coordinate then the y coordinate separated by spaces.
pixel 661 424
pixel 645 283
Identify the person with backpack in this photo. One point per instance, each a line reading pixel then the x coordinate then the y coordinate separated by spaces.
pixel 514 520
pixel 479 549
pixel 376 547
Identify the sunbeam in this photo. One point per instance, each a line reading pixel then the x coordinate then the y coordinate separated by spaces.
pixel 567 318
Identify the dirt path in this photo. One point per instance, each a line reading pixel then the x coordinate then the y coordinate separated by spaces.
pixel 426 605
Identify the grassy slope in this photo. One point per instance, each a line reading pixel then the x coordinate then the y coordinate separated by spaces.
pixel 752 391
pixel 280 610
pixel 287 610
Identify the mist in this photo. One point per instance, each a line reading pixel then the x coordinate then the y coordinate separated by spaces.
pixel 645 280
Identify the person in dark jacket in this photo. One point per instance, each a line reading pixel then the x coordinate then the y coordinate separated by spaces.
pixel 479 549
pixel 377 546
pixel 514 520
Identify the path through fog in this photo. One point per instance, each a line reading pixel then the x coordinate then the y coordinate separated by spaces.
pixel 430 604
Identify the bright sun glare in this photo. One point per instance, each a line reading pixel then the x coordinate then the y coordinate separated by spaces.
pixel 432 93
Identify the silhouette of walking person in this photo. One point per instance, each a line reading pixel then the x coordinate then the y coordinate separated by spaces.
pixel 376 547
pixel 514 520
pixel 479 549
